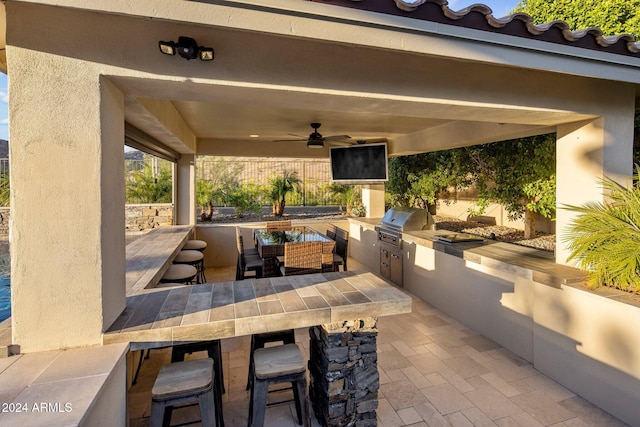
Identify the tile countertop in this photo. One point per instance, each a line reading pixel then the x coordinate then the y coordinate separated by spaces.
pixel 167 316
pixel 149 256
pixel 531 263
pixel 58 387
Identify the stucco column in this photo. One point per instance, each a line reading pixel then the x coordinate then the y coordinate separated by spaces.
pixel 373 200
pixel 585 153
pixel 185 190
pixel 67 201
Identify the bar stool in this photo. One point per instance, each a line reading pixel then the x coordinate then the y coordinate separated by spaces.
pixel 183 382
pixel 287 336
pixel 275 365
pixel 195 245
pixel 194 258
pixel 214 351
pixel 169 285
pixel 179 273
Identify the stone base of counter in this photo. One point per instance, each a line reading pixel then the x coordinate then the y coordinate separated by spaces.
pixel 343 368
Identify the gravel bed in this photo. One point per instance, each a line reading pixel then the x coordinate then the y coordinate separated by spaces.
pixel 542 241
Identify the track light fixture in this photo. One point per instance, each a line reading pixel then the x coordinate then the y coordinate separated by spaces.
pixel 187 48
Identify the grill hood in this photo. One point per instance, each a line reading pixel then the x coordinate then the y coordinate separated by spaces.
pixel 403 219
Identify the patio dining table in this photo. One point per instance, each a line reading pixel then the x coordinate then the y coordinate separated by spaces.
pixel 271 244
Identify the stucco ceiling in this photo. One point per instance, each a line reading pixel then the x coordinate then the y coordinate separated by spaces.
pixel 438 94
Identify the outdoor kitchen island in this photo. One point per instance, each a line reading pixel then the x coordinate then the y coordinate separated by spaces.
pixel 340 308
pixel 521 299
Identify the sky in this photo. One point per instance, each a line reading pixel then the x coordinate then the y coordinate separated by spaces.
pixel 4 108
pixel 500 8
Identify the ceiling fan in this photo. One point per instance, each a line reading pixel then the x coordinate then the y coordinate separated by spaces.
pixel 316 140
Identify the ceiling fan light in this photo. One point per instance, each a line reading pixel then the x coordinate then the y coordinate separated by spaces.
pixel 315 143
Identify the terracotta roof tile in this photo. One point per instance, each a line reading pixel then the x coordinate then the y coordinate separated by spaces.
pixel 480 17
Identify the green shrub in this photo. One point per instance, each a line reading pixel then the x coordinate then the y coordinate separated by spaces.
pixel 145 186
pixel 246 198
pixel 605 237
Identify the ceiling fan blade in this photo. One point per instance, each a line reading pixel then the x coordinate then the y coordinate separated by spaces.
pixel 289 140
pixel 341 143
pixel 333 137
pixel 353 141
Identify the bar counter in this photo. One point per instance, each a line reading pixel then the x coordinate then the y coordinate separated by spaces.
pixel 167 316
pixel 149 256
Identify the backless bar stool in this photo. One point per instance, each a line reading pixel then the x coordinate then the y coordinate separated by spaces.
pixel 194 258
pixel 214 351
pixel 184 382
pixel 197 245
pixel 180 273
pixel 275 365
pixel 287 336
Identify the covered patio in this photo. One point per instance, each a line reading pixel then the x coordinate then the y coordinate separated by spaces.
pixel 91 78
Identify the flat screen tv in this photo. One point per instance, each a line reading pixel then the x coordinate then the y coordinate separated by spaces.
pixel 359 164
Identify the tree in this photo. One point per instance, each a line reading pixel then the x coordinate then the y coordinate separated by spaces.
pixel 419 179
pixel 147 186
pixel 279 186
pixel 613 17
pixel 222 175
pixel 204 198
pixel 605 237
pixel 347 195
pixel 519 174
pixel 5 195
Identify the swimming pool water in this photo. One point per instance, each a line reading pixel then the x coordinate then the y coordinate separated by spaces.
pixel 5 298
pixel 5 290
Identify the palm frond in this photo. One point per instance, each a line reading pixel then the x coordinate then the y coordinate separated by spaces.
pixel 605 237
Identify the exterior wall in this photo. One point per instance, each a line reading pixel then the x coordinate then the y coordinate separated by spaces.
pixel 110 405
pixel 67 277
pixel 588 151
pixel 494 212
pixel 584 342
pixel 142 217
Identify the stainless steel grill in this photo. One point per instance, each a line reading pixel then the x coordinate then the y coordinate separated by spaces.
pixel 399 220
pixel 395 222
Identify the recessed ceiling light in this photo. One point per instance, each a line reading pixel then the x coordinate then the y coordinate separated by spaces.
pixel 253 136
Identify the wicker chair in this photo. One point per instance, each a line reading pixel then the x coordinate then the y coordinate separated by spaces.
pixel 328 249
pixel 279 225
pixel 302 258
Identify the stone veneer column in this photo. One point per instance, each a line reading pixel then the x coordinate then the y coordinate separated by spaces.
pixel 343 370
